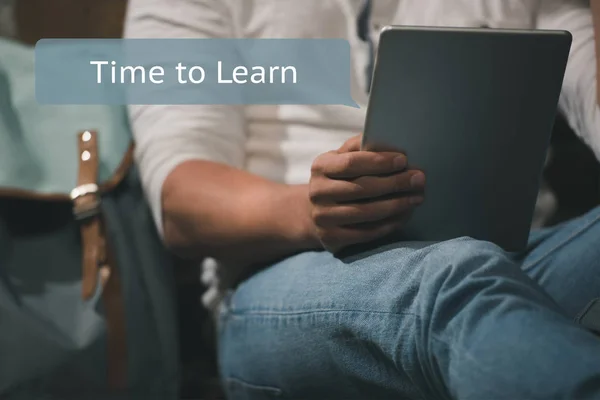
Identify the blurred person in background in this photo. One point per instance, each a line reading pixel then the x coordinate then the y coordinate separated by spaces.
pixel 280 189
pixel 7 19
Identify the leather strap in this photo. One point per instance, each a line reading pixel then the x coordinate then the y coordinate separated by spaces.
pixel 114 307
pixel 106 186
pixel 98 263
pixel 86 201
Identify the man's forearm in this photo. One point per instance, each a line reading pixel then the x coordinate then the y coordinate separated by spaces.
pixel 212 210
pixel 596 17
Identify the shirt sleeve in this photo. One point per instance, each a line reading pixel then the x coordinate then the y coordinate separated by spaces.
pixel 168 135
pixel 578 101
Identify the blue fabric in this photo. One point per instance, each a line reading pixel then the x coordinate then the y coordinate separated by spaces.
pixel 453 320
pixel 52 342
pixel 38 143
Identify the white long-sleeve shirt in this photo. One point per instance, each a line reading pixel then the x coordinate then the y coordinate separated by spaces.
pixel 280 142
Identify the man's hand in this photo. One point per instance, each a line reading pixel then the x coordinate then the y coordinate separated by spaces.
pixel 359 196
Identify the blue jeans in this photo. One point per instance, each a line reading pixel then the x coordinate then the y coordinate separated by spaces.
pixel 453 320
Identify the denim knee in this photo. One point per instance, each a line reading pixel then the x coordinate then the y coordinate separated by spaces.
pixel 459 274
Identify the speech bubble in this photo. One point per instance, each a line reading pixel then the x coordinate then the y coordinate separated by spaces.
pixel 193 71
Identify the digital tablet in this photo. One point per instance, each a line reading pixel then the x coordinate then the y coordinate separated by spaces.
pixel 474 109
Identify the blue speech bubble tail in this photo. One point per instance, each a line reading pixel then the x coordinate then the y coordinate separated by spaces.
pixel 352 104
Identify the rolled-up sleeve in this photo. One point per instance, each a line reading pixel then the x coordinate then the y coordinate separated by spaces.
pixel 168 135
pixel 578 101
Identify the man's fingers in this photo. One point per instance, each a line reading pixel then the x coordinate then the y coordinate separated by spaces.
pixel 359 196
pixel 330 191
pixel 342 237
pixel 359 163
pixel 359 213
pixel 352 144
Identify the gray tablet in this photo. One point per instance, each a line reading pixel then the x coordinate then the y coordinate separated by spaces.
pixel 474 109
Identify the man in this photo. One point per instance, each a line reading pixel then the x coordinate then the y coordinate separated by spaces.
pixel 283 188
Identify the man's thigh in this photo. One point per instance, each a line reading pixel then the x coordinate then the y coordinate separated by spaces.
pixel 314 317
pixel 565 261
pixel 358 325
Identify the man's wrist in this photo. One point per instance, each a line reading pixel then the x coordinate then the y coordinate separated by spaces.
pixel 300 227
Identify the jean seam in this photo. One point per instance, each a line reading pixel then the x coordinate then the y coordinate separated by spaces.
pixel 578 232
pixel 234 312
pixel 275 391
